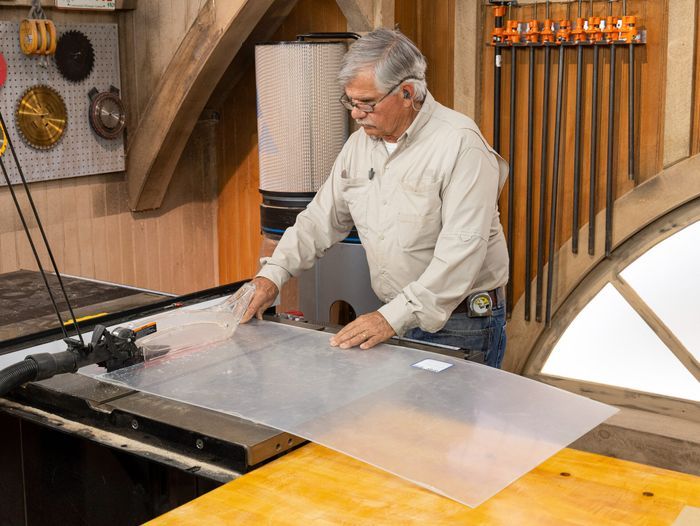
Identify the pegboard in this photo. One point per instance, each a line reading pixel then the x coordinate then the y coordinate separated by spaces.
pixel 79 151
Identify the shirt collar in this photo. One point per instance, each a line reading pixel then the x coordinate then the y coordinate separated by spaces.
pixel 424 114
pixel 426 110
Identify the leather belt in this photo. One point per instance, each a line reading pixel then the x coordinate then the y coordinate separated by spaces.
pixel 498 298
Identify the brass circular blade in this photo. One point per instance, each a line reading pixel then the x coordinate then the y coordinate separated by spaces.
pixel 41 116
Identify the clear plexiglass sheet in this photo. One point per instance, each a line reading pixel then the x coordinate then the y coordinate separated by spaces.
pixel 466 431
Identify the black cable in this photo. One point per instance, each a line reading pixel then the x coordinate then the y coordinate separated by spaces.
pixel 31 244
pixel 43 234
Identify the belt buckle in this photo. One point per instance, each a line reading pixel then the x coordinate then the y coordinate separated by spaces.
pixel 479 305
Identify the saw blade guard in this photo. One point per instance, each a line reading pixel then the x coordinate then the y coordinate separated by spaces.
pixel 195 329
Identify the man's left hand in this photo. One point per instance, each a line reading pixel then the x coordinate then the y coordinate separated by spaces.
pixel 366 331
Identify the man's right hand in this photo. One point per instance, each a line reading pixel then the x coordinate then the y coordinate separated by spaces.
pixel 265 293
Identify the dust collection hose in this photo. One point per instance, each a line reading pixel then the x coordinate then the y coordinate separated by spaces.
pixel 36 367
pixel 16 374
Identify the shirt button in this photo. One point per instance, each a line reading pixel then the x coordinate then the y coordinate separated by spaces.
pixel 381 236
pixel 384 202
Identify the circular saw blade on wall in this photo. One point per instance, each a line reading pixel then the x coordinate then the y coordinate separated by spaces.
pixel 41 117
pixel 75 56
pixel 79 151
pixel 107 114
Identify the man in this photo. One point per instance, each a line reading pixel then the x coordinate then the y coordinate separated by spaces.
pixel 421 184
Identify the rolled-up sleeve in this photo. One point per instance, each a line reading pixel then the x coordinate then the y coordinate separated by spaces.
pixel 324 222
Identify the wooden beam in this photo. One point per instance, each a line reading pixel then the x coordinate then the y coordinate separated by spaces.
pixel 627 398
pixel 647 438
pixel 359 14
pixel 468 41
pixel 265 29
pixel 155 147
pixel 665 334
pixel 365 15
pixel 679 81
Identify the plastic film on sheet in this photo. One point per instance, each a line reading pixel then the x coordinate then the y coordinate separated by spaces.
pixel 185 329
pixel 463 430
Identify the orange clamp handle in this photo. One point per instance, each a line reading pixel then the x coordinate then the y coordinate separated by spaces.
pixel 564 31
pixel 611 31
pixel 547 33
pixel 629 31
pixel 532 34
pixel 512 34
pixel 593 31
pixel 579 32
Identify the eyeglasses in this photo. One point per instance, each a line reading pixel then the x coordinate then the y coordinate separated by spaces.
pixel 368 107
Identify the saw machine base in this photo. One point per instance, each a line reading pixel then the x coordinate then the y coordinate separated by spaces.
pixel 81 451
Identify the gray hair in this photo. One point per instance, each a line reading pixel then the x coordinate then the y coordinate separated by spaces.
pixel 392 57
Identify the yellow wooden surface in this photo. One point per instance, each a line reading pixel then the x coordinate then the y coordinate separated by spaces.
pixel 314 485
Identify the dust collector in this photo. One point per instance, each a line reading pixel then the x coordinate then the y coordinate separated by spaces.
pixel 301 129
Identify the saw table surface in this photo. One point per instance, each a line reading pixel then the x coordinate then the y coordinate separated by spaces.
pixel 315 485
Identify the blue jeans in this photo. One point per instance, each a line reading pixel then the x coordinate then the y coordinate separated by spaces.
pixel 487 334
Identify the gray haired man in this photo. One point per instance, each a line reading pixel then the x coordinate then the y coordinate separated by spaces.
pixel 421 185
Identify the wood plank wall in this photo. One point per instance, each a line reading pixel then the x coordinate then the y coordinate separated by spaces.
pixel 150 36
pixel 240 241
pixel 90 228
pixel 431 26
pixel 650 74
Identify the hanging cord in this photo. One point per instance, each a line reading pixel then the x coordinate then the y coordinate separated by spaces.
pixel 36 12
pixel 43 235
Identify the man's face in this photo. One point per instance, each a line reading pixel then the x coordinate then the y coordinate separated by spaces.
pixel 388 117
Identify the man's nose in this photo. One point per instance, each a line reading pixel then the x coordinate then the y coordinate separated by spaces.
pixel 357 113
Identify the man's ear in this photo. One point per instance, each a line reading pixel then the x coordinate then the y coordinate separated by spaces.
pixel 407 93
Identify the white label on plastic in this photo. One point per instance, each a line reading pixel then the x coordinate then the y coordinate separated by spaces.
pixel 434 366
pixel 499 60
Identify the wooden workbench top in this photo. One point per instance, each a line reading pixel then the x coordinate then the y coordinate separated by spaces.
pixel 314 485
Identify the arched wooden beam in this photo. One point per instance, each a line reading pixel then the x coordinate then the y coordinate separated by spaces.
pixel 651 200
pixel 366 15
pixel 189 80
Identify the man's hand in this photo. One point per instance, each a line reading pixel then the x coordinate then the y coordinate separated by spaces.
pixel 366 331
pixel 265 293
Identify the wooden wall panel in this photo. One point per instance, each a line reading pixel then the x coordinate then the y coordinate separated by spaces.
pixel 431 26
pixel 695 130
pixel 93 233
pixel 90 228
pixel 239 200
pixel 650 72
pixel 150 36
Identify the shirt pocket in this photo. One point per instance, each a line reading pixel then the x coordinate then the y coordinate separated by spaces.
pixel 355 191
pixel 419 217
pixel 420 197
pixel 418 232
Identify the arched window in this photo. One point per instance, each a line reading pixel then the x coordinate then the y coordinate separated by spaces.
pixel 638 334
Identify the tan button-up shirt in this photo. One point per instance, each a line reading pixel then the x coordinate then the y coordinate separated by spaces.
pixel 427 216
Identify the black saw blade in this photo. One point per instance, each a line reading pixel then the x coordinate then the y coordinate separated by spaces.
pixel 74 56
